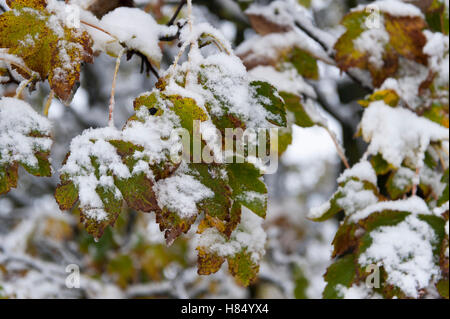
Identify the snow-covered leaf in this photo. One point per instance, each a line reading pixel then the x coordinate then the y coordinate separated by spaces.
pixel 25 140
pixel 46 44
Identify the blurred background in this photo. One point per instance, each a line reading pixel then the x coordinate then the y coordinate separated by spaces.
pixel 131 260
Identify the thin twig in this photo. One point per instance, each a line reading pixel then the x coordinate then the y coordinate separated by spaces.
pixel 339 148
pixel 330 53
pixel 112 101
pixel 99 29
pixel 177 12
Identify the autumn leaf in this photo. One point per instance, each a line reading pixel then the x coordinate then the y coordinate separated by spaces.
pixel 398 37
pixel 47 46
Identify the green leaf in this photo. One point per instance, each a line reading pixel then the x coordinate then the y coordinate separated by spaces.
pixel 294 105
pixel 268 97
pixel 248 189
pixel 66 195
pixel 341 273
pixel 442 287
pixel 242 267
pixel 304 63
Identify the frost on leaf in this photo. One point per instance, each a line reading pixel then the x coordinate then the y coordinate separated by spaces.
pixel 378 49
pixel 46 44
pixel 25 140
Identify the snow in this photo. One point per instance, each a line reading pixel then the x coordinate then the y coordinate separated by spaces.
pixel 414 205
pixel 359 291
pixel 227 85
pixel 248 235
pixel 157 136
pixel 405 251
pixel 136 29
pixel 319 211
pixel 399 134
pixel 260 49
pixel 180 193
pixel 363 171
pixel 395 8
pixel 288 80
pixel 373 42
pixel 93 143
pixel 355 197
pixel 410 77
pixel 404 177
pixel 18 121
pixel 437 48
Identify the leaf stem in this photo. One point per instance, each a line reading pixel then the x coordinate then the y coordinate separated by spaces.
pixel 99 29
pixel 339 148
pixel 112 101
pixel 22 87
pixel 48 103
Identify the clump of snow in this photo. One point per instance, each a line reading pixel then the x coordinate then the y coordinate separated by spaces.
pixel 355 197
pixel 437 48
pixel 410 77
pixel 260 49
pixel 319 211
pixel 18 123
pixel 249 235
pixel 414 205
pixel 136 29
pixel 399 134
pixel 362 171
pixel 360 291
pixel 93 143
pixel 404 177
pixel 180 193
pixel 157 134
pixel 373 42
pixel 396 8
pixel 405 251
